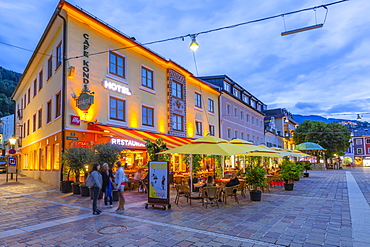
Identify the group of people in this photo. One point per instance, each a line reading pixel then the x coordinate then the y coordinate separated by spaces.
pixel 104 181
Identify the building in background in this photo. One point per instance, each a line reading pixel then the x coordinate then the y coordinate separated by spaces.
pixel 281 123
pixel 241 113
pixel 359 150
pixel 88 83
pixel 6 132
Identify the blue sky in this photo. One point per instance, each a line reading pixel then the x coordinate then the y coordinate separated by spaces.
pixel 324 71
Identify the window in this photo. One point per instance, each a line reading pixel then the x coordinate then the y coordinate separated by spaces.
pixel 235 112
pixel 248 137
pixel 211 130
pixel 34 87
pixel 236 92
pixel 58 61
pixel 50 67
pixel 211 105
pixel 116 64
pixel 176 89
pixel 241 115
pixel 117 109
pixel 248 118
pixel 25 101
pixel 226 86
pixel 358 141
pixel 58 105
pixel 41 75
pixel 34 123
pixel 236 134
pixel 56 156
pixel 42 158
pixel 178 122
pixel 359 150
pixel 148 116
pixel 252 120
pixel 245 98
pixel 228 109
pixel 229 133
pixel 28 95
pixel 39 119
pixel 28 127
pixel 242 135
pixel 48 158
pixel 198 128
pixel 368 141
pixel 24 130
pixel 198 100
pixel 147 78
pixel 48 112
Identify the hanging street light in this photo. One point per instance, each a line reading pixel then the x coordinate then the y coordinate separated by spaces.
pixel 193 45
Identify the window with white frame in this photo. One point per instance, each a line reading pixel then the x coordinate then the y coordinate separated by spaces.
pixel 50 67
pixel 147 116
pixel 227 86
pixel 178 122
pixel 198 128
pixel 228 109
pixel 248 137
pixel 58 104
pixel 117 109
pixel 39 122
pixel 41 79
pixel 241 115
pixel 229 133
pixel 252 120
pixel 368 141
pixel 359 151
pixel 235 112
pixel 176 89
pixel 242 135
pixel 116 64
pixel 211 130
pixel 198 100
pixel 48 111
pixel 358 141
pixel 236 134
pixel 58 59
pixel 245 98
pixel 211 106
pixel 248 118
pixel 147 77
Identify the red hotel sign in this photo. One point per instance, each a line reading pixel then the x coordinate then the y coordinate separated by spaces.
pixel 75 120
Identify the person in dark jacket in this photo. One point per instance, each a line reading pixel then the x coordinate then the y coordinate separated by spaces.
pixel 233 180
pixel 96 188
pixel 108 177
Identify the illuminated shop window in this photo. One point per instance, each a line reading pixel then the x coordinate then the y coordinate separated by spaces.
pixel 117 109
pixel 116 65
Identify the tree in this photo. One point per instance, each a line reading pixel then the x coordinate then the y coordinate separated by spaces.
pixel 106 153
pixel 74 160
pixel 155 147
pixel 334 137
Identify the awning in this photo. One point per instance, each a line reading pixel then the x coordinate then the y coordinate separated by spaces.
pixel 135 138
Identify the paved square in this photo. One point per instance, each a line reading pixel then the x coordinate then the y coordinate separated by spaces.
pixel 330 208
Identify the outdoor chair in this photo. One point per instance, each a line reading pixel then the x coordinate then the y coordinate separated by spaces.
pixel 182 191
pixel 231 192
pixel 241 188
pixel 211 194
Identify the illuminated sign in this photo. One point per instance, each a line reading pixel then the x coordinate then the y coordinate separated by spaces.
pixel 116 87
pixel 126 142
pixel 75 120
pixel 85 63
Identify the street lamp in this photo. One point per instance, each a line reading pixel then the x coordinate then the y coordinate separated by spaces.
pixel 12 141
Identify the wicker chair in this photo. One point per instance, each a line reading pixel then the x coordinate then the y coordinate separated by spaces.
pixel 231 192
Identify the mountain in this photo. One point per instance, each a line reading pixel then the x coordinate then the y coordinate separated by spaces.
pixel 8 82
pixel 301 118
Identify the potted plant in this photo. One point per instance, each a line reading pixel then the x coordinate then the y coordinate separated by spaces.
pixel 255 176
pixel 289 171
pixel 306 166
pixel 74 160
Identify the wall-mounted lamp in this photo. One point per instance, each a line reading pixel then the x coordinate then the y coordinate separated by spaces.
pixel 71 72
pixel 193 45
pixel 12 140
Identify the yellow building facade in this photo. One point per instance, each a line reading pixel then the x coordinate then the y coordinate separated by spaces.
pixel 88 83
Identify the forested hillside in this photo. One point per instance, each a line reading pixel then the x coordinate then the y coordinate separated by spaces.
pixel 8 82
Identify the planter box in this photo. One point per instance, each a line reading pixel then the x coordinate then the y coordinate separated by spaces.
pixel 76 189
pixel 115 195
pixel 288 186
pixel 306 174
pixel 66 186
pixel 100 194
pixel 255 195
pixel 85 191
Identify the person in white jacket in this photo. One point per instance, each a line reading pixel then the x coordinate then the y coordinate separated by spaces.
pixel 120 180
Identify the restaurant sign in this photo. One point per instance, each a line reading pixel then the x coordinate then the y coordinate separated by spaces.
pixel 126 142
pixel 115 87
pixel 85 99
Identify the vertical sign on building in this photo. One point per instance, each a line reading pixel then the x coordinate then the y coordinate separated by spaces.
pixel 85 61
pixel 177 105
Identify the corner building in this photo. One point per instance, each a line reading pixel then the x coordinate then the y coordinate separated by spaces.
pixel 88 83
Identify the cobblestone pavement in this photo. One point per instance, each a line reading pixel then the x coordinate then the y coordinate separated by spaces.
pixel 318 212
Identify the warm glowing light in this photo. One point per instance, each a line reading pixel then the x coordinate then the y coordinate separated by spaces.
pixel 71 72
pixel 134 121
pixel 193 45
pixel 12 140
pixel 190 129
pixel 116 87
pixel 162 126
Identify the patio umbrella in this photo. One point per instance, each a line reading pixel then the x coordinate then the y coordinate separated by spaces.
pixel 309 146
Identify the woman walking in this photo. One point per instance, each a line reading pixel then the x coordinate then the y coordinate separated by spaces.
pixel 107 175
pixel 121 182
pixel 95 189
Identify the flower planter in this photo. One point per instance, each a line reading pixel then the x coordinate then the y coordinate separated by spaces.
pixel 76 189
pixel 255 195
pixel 66 186
pixel 306 174
pixel 85 191
pixel 289 186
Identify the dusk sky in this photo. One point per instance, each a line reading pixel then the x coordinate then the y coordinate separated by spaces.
pixel 324 71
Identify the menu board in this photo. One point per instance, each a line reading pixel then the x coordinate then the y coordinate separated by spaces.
pixel 158 182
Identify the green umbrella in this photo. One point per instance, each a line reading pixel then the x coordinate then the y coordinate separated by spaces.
pixel 309 146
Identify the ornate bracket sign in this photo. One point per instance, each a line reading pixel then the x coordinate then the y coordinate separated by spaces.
pixel 85 99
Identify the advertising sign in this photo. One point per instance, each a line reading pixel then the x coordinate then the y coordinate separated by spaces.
pixel 158 182
pixel 75 120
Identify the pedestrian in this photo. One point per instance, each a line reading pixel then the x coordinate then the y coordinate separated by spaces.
pixel 121 180
pixel 107 175
pixel 95 189
pixel 138 178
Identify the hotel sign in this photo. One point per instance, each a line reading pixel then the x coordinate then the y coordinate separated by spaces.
pixel 115 87
pixel 126 142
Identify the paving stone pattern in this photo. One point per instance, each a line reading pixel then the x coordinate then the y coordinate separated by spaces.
pixel 315 213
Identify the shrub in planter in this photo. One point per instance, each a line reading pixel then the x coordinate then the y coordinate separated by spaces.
pixel 255 176
pixel 290 171
pixel 306 166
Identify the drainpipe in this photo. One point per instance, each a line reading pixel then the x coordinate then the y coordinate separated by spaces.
pixel 64 79
pixel 219 115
